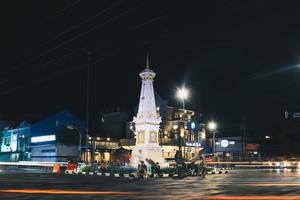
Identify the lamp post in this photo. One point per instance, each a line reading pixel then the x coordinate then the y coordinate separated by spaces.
pixel 175 127
pixel 181 139
pixel 182 94
pixel 71 127
pixel 212 126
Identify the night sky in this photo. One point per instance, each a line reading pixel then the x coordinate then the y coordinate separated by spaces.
pixel 239 58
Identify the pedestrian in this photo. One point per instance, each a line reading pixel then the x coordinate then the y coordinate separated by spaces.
pixel 157 169
pixel 143 169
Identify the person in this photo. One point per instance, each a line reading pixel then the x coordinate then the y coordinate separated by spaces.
pixel 179 163
pixel 142 169
pixel 103 166
pixel 151 167
pixel 157 169
pixel 202 166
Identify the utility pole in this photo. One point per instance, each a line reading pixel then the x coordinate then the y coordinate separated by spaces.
pixel 244 137
pixel 87 105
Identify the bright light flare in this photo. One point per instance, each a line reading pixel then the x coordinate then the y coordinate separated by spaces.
pixel 212 125
pixel 182 93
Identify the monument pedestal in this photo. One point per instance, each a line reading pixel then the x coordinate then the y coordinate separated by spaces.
pixel 142 153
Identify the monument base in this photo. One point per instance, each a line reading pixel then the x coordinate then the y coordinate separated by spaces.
pixel 141 153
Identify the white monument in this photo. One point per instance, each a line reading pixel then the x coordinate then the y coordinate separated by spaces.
pixel 147 123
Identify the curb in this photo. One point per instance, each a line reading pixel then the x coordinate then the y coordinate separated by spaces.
pixel 132 175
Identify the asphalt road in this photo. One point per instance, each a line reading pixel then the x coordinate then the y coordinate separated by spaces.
pixel 238 184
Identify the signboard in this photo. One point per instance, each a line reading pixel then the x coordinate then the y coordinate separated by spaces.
pixel 229 144
pixel 44 138
pixel 193 144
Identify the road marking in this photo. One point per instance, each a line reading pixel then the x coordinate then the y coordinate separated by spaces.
pixel 64 192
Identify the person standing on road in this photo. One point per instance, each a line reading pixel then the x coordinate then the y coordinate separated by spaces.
pixel 157 169
pixel 202 166
pixel 179 162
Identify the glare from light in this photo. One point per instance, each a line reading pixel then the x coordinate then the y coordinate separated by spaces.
pixel 193 125
pixel 175 127
pixel 182 93
pixel 212 126
pixel 182 133
pixel 108 139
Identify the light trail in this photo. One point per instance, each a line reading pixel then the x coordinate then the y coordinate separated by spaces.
pixel 272 184
pixel 64 192
pixel 273 197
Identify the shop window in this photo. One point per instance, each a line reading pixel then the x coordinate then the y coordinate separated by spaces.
pixel 192 137
pixel 7 141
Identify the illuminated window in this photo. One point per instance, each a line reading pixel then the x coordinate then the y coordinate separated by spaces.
pixel 153 138
pixel 141 137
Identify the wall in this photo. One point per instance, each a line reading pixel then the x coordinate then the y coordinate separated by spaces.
pixel 53 153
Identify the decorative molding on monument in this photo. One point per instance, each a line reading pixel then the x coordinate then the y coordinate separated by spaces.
pixel 153 121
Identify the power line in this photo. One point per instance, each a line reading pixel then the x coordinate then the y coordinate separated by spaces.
pixel 67 7
pixel 61 58
pixel 58 35
pixel 80 35
pixel 86 20
pixel 88 31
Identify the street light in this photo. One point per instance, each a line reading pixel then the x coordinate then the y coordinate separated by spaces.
pixel 175 126
pixel 71 127
pixel 182 94
pixel 212 126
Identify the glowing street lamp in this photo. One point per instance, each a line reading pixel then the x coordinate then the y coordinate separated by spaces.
pixel 182 94
pixel 175 127
pixel 212 126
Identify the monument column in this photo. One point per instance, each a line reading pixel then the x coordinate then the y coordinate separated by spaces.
pixel 147 123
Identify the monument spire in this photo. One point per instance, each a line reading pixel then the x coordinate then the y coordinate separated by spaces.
pixel 147 61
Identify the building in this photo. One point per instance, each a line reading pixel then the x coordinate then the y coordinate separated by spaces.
pixel 113 125
pixel 229 148
pixel 49 139
pixel 52 138
pixel 15 143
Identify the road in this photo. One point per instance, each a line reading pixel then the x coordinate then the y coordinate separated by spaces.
pixel 238 184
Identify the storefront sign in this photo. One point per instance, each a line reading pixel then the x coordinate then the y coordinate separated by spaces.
pixel 44 138
pixel 193 144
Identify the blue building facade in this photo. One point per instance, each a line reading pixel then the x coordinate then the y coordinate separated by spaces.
pixel 45 140
pixel 14 143
pixel 49 140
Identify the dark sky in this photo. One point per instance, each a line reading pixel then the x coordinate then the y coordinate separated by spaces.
pixel 237 57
